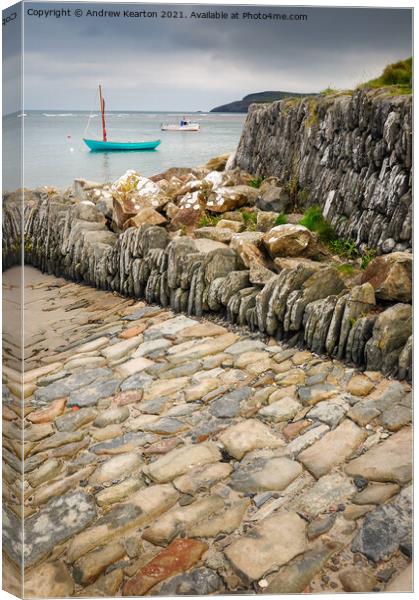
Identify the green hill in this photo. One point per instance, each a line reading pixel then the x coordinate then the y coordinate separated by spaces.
pixel 241 106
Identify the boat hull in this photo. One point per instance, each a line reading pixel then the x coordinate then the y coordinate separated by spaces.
pixel 100 146
pixel 194 127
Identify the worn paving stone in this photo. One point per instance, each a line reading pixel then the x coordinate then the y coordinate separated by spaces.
pixel 282 410
pixel 385 528
pixel 49 580
pixel 294 577
pixel 178 557
pixel 171 327
pixel 89 567
pixel 112 416
pixel 354 579
pixel 263 474
pixel 141 508
pixel 376 493
pixel 248 435
pixel 255 554
pixel 116 468
pixel 58 521
pixel 329 491
pixel 179 461
pixel 201 478
pixel 391 460
pixel 75 420
pixel 89 396
pixel 228 405
pixel 330 412
pixel 332 449
pixel 198 582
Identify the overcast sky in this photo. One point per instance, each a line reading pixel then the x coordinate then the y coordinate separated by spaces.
pixel 188 64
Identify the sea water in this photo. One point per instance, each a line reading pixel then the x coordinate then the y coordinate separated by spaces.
pixel 55 155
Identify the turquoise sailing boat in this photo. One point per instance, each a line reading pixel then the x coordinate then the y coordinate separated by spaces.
pixel 105 146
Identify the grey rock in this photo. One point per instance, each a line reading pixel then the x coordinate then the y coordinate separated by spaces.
pixel 198 582
pixel 384 529
pixel 60 519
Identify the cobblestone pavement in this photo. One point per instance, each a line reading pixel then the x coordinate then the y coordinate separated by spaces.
pixel 170 455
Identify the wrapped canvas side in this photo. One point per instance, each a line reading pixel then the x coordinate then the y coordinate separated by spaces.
pixel 12 307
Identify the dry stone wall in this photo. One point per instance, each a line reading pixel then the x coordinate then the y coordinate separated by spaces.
pixel 349 153
pixel 301 305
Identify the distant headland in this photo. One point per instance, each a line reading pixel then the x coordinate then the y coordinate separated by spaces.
pixel 241 106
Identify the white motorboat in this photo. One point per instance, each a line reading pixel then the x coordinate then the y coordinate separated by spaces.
pixel 183 125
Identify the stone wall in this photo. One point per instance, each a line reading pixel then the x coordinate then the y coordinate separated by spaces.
pixel 301 305
pixel 349 153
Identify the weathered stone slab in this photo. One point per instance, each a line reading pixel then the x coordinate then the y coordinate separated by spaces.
pixel 390 460
pixel 258 552
pixel 282 410
pixel 116 467
pixel 327 492
pixel 89 396
pixel 49 580
pixel 248 435
pixel 178 557
pixel 171 327
pixel 333 448
pixel 59 520
pixel 199 582
pixel 179 461
pixel 89 567
pixel 143 507
pixel 294 577
pixel 385 528
pixel 263 474
pixel 132 367
pixel 201 478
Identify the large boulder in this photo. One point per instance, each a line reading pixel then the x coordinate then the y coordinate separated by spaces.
pixel 146 216
pixel 291 240
pixel 391 331
pixel 391 276
pixel 274 199
pixel 218 163
pixel 224 199
pixel 131 193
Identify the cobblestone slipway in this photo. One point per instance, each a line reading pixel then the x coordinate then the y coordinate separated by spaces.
pixel 169 455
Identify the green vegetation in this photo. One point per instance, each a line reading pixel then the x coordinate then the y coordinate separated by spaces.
pixel 328 91
pixel 368 255
pixel 346 269
pixel 281 219
pixel 312 118
pixel 396 76
pixel 208 220
pixel 256 182
pixel 313 219
pixel 344 248
pixel 250 219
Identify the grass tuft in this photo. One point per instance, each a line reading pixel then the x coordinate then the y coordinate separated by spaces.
pixel 314 220
pixel 281 219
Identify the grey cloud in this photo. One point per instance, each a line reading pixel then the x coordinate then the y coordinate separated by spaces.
pixel 184 64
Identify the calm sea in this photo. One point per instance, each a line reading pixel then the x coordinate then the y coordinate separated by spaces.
pixel 55 153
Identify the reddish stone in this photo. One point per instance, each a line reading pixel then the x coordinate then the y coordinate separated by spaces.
pixel 178 557
pixel 133 331
pixel 44 415
pixel 293 429
pixel 162 447
pixel 8 414
pixel 128 397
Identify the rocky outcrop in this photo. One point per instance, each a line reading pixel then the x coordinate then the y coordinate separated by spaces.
pixel 306 303
pixel 349 153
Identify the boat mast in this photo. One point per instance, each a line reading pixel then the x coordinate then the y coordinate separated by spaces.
pixel 102 110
